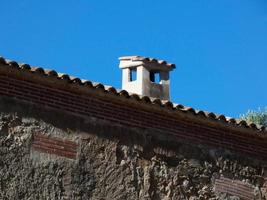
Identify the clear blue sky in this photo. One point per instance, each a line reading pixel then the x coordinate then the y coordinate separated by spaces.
pixel 219 47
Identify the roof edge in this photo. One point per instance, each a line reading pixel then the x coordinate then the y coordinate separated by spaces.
pixel 232 122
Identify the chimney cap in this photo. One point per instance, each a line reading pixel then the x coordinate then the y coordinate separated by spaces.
pixel 133 61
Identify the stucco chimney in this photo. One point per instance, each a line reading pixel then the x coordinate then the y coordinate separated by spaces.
pixel 146 76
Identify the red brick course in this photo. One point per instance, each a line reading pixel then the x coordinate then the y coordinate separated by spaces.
pixel 128 115
pixel 234 188
pixel 56 146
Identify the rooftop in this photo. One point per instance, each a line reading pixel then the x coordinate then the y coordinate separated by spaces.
pixel 227 121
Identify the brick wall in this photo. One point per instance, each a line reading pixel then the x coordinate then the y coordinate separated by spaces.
pixel 128 115
pixel 234 188
pixel 56 146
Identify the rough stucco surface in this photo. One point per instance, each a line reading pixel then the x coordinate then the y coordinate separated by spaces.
pixel 112 162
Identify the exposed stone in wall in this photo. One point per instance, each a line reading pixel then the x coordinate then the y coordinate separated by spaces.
pixel 112 163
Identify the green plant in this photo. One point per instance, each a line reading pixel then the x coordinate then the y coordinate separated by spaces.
pixel 256 116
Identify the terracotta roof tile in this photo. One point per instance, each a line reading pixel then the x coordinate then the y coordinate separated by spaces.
pixel 141 99
pixel 148 60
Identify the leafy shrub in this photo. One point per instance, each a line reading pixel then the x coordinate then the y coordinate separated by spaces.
pixel 257 117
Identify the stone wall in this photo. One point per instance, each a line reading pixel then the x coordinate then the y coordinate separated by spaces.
pixel 131 111
pixel 49 154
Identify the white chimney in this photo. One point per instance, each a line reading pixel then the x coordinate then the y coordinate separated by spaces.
pixel 146 76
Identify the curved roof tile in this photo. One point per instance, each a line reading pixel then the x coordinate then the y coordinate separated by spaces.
pixel 148 60
pixel 139 98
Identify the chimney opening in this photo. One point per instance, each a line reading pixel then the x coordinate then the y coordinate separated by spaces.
pixel 133 74
pixel 155 77
pixel 146 76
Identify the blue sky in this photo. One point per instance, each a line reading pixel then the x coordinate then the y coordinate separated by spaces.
pixel 219 47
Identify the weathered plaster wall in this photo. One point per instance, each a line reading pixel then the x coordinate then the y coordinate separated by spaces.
pixel 112 161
